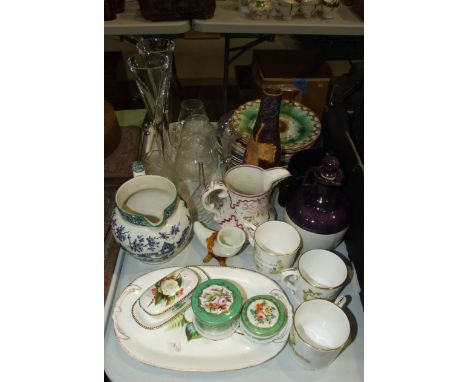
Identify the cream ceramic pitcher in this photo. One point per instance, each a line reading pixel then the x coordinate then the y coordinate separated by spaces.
pixel 243 196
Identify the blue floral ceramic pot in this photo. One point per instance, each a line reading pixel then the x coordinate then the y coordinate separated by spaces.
pixel 151 221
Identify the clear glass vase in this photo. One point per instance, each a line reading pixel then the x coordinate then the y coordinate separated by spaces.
pixel 151 73
pixel 197 145
pixel 166 47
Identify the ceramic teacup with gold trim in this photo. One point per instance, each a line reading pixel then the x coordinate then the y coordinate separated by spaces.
pixel 319 274
pixel 276 245
pixel 320 331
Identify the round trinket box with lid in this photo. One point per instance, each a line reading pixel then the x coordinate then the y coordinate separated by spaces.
pixel 216 306
pixel 262 318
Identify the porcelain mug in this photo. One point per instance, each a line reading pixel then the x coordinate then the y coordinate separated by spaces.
pixel 319 274
pixel 308 7
pixel 320 331
pixel 328 7
pixel 276 244
pixel 287 8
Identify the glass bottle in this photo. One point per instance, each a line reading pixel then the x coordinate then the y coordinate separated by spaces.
pixel 264 147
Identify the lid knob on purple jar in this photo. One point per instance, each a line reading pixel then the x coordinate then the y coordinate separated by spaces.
pixel 329 171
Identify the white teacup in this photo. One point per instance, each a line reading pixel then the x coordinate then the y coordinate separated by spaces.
pixel 319 274
pixel 319 333
pixel 308 7
pixel 327 8
pixel 287 8
pixel 276 244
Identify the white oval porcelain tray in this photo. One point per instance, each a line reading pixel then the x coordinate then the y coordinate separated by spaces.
pixel 177 346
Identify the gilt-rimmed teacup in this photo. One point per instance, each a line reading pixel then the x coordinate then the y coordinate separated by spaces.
pixel 286 8
pixel 319 274
pixel 276 245
pixel 320 331
pixel 308 8
pixel 328 7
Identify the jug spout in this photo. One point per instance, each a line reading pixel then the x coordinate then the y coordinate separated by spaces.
pixel 273 176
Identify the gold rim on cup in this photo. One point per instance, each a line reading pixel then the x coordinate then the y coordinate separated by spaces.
pixel 314 345
pixel 313 283
pixel 270 251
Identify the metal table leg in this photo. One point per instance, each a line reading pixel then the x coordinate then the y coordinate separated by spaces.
pixel 241 50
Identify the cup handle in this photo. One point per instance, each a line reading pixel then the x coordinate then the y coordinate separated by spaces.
pixel 210 207
pixel 250 229
pixel 286 275
pixel 138 168
pixel 340 301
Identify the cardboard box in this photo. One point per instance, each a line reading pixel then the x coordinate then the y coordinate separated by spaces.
pixel 306 70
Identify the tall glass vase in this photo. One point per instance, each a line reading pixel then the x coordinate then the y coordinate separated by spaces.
pixel 164 46
pixel 151 73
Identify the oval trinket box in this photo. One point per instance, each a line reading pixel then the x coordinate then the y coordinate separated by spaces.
pixel 263 317
pixel 167 297
pixel 216 306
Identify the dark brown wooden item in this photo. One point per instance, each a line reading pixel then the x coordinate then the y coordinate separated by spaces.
pixel 168 10
pixel 112 133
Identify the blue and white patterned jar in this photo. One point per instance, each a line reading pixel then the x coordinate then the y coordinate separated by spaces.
pixel 151 221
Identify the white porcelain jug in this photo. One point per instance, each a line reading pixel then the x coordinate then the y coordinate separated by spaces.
pixel 151 221
pixel 243 196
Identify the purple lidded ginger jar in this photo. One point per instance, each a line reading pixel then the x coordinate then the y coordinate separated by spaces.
pixel 319 211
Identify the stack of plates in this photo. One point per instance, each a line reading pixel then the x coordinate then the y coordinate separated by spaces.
pixel 299 129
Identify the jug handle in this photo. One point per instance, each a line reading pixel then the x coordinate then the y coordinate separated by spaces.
pixel 210 207
pixel 250 230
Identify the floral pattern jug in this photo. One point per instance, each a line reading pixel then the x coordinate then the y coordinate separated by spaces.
pixel 243 196
pixel 151 221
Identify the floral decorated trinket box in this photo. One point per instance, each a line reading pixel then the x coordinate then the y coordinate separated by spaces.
pixel 216 306
pixel 166 298
pixel 263 317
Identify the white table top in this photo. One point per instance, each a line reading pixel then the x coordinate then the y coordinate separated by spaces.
pixel 120 367
pixel 227 19
pixel 132 22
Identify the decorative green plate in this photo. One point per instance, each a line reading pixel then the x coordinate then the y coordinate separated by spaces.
pixel 299 126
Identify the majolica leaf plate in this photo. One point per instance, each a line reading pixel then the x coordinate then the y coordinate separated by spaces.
pixel 299 125
pixel 178 346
